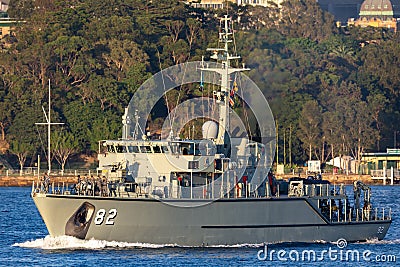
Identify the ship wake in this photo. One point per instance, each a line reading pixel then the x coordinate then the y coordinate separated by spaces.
pixel 72 243
pixel 381 242
pixel 69 242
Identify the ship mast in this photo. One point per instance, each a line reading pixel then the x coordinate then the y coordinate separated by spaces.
pixel 48 123
pixel 223 56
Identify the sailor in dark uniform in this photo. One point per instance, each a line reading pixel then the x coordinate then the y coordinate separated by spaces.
pixel 46 182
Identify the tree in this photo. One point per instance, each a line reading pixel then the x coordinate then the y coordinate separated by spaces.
pixel 23 131
pixel 89 123
pixel 21 150
pixel 68 54
pixel 310 126
pixel 306 19
pixel 64 144
pixel 332 131
pixel 122 56
pixel 192 31
pixel 359 127
pixel 6 107
pixel 376 104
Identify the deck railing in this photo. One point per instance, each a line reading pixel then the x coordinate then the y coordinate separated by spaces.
pixel 32 171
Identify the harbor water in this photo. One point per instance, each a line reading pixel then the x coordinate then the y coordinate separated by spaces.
pixel 24 241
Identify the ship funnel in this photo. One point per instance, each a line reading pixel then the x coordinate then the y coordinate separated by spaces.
pixel 210 130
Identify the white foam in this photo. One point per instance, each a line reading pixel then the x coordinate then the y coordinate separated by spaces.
pixel 69 242
pixel 384 241
pixel 238 246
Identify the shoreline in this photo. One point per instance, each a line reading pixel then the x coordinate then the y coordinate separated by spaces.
pixel 26 181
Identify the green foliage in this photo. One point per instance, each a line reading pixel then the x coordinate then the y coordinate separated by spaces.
pixel 64 144
pixel 310 126
pixel 335 89
pixel 89 124
pixel 21 150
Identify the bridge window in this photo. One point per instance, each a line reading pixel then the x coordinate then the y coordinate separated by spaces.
pixel 165 149
pixel 133 149
pixel 187 148
pixel 197 151
pixel 157 149
pixel 111 149
pixel 145 149
pixel 193 164
pixel 175 148
pixel 121 149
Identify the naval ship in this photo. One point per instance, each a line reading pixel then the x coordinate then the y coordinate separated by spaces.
pixel 210 191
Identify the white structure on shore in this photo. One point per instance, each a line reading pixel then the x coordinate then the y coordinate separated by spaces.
pixel 345 163
pixel 220 3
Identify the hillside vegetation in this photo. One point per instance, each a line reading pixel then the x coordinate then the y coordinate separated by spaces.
pixel 333 91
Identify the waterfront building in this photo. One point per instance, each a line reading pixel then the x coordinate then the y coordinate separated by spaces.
pixel 381 161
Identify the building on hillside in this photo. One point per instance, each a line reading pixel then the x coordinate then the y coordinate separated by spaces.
pixel 215 4
pixel 4 5
pixel 220 3
pixel 377 13
pixel 6 24
pixel 258 2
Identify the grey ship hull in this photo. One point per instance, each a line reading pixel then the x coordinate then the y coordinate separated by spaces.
pixel 222 222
